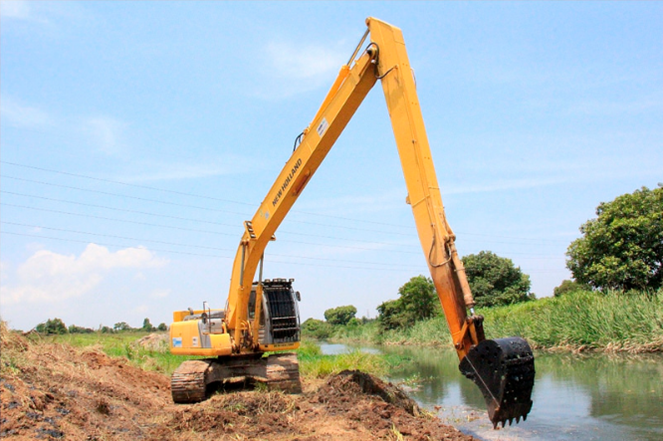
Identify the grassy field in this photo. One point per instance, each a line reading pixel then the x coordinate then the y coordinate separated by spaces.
pixel 311 360
pixel 630 322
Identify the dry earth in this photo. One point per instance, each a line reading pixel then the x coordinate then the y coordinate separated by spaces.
pixel 62 392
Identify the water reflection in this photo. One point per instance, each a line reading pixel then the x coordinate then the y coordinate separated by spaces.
pixel 575 396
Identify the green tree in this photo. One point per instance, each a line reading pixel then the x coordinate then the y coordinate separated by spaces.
pixel 73 329
pixel 417 301
pixel 495 280
pixel 121 326
pixel 162 327
pixel 569 286
pixel 147 326
pixel 623 247
pixel 52 326
pixel 317 329
pixel 419 297
pixel 340 315
pixel 391 315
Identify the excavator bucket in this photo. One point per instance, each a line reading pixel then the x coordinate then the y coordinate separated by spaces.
pixel 504 371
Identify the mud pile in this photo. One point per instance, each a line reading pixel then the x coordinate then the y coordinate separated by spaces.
pixel 53 391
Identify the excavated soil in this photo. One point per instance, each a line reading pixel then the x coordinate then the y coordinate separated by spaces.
pixel 54 391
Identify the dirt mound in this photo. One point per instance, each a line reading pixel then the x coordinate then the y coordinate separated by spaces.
pixel 355 383
pixel 153 342
pixel 53 391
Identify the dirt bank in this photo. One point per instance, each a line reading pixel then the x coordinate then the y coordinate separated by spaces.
pixel 54 391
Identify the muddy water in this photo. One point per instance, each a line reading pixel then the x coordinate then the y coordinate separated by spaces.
pixel 586 397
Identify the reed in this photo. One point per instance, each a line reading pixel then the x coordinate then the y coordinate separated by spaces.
pixel 612 321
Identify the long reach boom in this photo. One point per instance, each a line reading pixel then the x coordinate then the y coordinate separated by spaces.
pixel 503 368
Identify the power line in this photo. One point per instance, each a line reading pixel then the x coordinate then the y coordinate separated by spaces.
pixel 147 187
pixel 177 217
pixel 253 205
pixel 218 256
pixel 111 245
pixel 194 206
pixel 114 236
pixel 71 187
pixel 116 220
pixel 228 234
pixel 298 233
pixel 198 231
pixel 194 246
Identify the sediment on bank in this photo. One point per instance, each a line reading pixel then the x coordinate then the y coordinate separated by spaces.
pixel 56 391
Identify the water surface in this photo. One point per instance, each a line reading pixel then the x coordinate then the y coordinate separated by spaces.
pixel 585 397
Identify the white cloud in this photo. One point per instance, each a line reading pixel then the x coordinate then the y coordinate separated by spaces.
pixel 44 13
pixel 16 9
pixel 51 277
pixel 297 68
pixel 303 62
pixel 19 115
pixel 160 294
pixel 4 269
pixel 140 309
pixel 106 133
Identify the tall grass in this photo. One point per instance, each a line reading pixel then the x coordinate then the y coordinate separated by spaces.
pixel 612 321
pixel 312 363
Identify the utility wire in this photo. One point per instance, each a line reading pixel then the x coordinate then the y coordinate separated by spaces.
pixel 214 255
pixel 147 187
pixel 253 205
pixel 197 206
pixel 298 233
pixel 196 246
pixel 114 236
pixel 177 217
pixel 543 256
pixel 116 220
pixel 197 231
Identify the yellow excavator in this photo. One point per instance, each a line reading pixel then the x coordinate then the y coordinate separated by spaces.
pixel 262 316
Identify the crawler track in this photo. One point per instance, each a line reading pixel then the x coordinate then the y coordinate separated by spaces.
pixel 189 383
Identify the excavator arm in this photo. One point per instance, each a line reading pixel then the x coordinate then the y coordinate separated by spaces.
pixel 502 368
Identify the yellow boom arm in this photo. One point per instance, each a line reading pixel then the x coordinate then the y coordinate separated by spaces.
pixel 502 368
pixel 385 58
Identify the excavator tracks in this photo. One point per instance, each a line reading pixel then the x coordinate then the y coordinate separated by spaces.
pixel 192 381
pixel 188 383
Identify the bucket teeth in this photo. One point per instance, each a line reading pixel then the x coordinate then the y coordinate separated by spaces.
pixel 504 371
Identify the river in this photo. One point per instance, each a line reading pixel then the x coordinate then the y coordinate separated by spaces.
pixel 585 397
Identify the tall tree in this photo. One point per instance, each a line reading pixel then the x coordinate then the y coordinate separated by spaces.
pixel 495 280
pixel 417 301
pixel 623 247
pixel 52 326
pixel 340 315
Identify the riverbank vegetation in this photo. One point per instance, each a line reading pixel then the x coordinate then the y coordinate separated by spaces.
pixel 614 303
pixel 150 352
pixel 580 320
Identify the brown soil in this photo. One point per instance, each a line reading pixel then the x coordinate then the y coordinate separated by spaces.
pixel 52 391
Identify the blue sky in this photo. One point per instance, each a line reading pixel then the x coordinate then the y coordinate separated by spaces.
pixel 136 137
